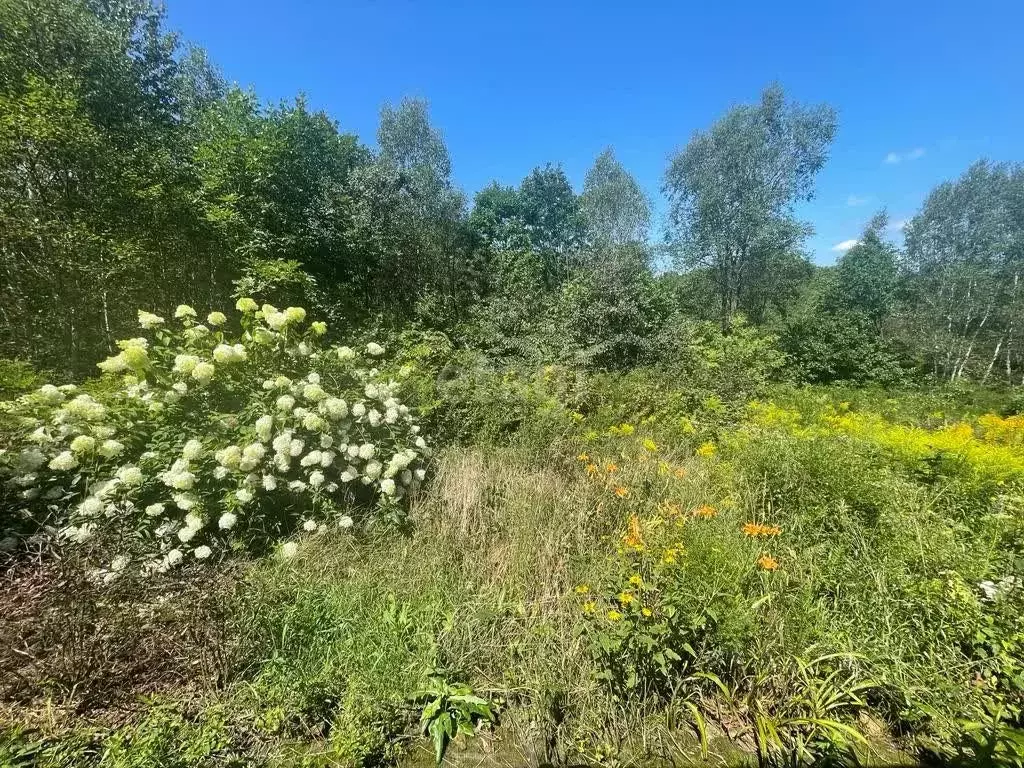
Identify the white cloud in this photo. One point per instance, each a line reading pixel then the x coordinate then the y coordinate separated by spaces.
pixel 844 246
pixel 853 201
pixel 898 157
pixel 898 225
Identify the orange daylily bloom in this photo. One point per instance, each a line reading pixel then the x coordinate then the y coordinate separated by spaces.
pixel 767 562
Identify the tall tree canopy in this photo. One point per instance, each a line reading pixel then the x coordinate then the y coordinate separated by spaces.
pixel 614 208
pixel 733 188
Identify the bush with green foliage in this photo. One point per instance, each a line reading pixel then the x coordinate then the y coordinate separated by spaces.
pixel 212 437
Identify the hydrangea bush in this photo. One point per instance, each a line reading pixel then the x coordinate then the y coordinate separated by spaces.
pixel 217 436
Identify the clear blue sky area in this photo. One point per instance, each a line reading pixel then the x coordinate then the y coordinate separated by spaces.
pixel 922 88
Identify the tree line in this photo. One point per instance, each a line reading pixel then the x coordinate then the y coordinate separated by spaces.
pixel 133 175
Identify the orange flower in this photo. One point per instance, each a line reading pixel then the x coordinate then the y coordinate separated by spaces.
pixel 592 469
pixel 634 535
pixel 767 562
pixel 706 511
pixel 621 491
pixel 756 529
pixel 610 467
pixel 584 456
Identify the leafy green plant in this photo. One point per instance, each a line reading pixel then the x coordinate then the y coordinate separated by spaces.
pixel 214 437
pixel 451 709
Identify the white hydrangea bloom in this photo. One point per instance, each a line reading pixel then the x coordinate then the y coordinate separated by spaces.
pixel 358 410
pixel 264 426
pixel 186 534
pixel 326 441
pixel 244 495
pixel 373 417
pixel 111 448
pixel 345 522
pixel 83 443
pixel 309 526
pixel 203 372
pixel 295 449
pixel 285 403
pixel 318 327
pixel 50 394
pixel 185 501
pixel 297 486
pixel 269 483
pixel 149 321
pixel 193 450
pixel 174 557
pixel 374 349
pixel 91 507
pixel 387 486
pixel 313 393
pixel 313 423
pixel 227 521
pixel 229 457
pixel 63 462
pixel 193 521
pixel 391 415
pixel 246 305
pixel 350 474
pixel 316 479
pixel 216 318
pixel 406 477
pixel 311 458
pixel 155 510
pixel 219 473
pixel 295 314
pixel 371 391
pixel 184 311
pixel 203 552
pixel 289 550
pixel 372 470
pixel 367 451
pixel 180 387
pixel 345 353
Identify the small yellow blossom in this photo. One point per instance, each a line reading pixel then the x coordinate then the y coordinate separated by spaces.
pixel 646 612
pixel 650 445
pixel 636 580
pixel 589 607
pixel 584 457
pixel 614 616
pixel 582 589
pixel 625 598
pixel 593 469
pixel 706 450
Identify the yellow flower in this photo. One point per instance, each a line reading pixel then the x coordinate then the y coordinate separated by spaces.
pixel 621 491
pixel 584 457
pixel 767 562
pixel 706 450
pixel 582 589
pixel 650 445
pixel 636 580
pixel 611 467
pixel 647 612
pixel 614 616
pixel 670 556
pixel 627 429
pixel 705 511
pixel 589 607
pixel 592 469
pixel 625 598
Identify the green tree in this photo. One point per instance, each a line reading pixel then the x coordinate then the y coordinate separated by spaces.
pixel 965 253
pixel 733 188
pixel 614 208
pixel 552 216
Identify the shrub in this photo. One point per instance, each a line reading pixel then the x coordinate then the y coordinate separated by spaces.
pixel 212 438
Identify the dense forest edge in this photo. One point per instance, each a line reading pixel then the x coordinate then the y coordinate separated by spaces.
pixel 308 459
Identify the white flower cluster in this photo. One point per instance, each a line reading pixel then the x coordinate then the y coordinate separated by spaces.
pixel 189 462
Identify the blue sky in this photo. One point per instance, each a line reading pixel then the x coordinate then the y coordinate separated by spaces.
pixel 922 88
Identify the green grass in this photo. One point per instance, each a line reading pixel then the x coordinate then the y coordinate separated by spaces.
pixel 871 638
